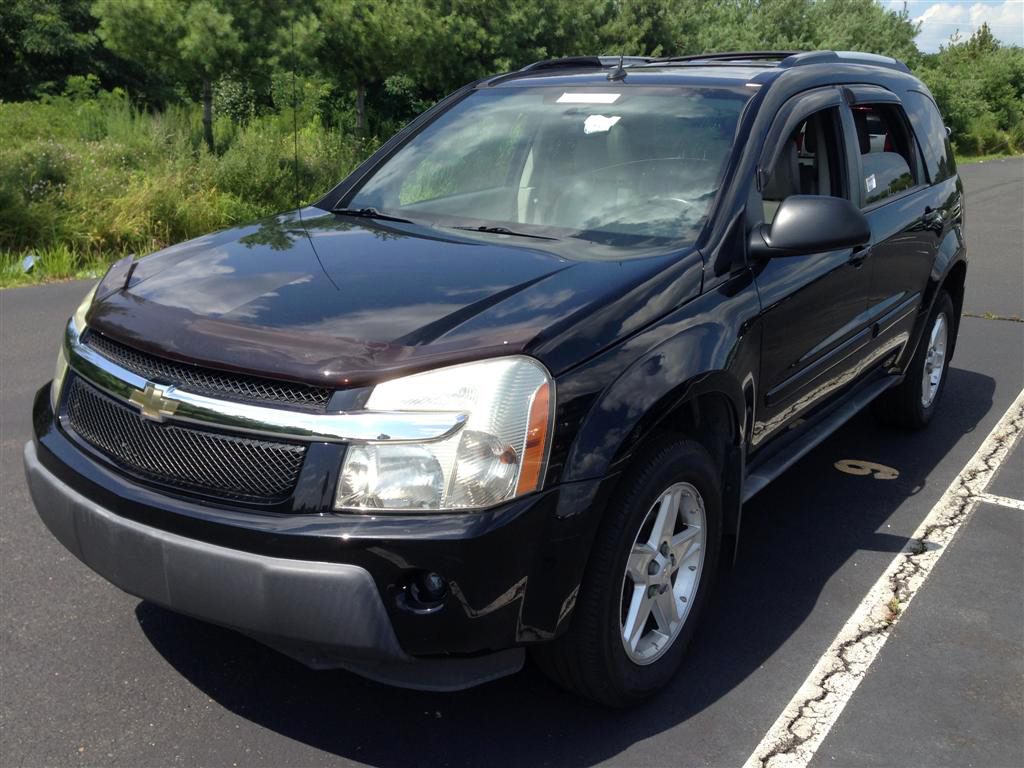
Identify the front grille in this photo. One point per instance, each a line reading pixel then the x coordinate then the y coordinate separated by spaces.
pixel 205 381
pixel 190 459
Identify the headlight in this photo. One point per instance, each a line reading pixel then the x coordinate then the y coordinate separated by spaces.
pixel 500 452
pixel 61 369
pixel 83 308
pixel 58 378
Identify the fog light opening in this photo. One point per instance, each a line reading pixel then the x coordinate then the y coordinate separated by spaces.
pixel 424 592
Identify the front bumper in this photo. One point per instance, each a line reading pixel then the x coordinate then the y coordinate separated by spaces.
pixel 323 588
pixel 326 614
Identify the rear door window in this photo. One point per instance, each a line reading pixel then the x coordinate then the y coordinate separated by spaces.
pixel 888 154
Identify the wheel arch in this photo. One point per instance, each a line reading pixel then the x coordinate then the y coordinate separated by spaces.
pixel 948 273
pixel 954 283
pixel 709 416
pixel 710 407
pixel 703 409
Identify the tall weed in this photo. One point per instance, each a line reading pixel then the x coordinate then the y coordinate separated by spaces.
pixel 88 173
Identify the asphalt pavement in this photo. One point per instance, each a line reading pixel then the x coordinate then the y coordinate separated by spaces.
pixel 92 676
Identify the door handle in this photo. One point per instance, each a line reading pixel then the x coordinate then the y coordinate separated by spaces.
pixel 860 253
pixel 934 217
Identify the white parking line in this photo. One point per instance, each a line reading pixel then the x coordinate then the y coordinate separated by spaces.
pixel 1003 501
pixel 801 728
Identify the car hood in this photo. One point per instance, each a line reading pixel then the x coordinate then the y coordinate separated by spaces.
pixel 329 299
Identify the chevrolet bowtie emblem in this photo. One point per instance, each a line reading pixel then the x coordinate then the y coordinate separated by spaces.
pixel 152 403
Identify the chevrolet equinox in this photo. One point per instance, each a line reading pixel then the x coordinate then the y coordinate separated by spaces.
pixel 509 384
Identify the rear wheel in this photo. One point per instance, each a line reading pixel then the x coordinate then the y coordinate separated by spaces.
pixel 914 401
pixel 649 575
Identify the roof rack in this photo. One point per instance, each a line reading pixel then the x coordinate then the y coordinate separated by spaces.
pixel 780 59
pixel 585 62
pixel 728 56
pixel 789 59
pixel 842 57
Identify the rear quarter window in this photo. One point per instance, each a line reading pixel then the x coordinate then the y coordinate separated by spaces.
pixel 931 135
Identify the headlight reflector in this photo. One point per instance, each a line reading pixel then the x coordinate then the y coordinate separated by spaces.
pixel 393 476
pixel 500 453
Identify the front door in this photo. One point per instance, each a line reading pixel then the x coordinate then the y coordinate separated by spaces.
pixel 814 324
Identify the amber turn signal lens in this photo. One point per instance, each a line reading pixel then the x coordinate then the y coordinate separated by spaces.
pixel 530 475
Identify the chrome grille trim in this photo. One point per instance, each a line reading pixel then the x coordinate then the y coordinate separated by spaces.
pixel 347 427
pixel 206 381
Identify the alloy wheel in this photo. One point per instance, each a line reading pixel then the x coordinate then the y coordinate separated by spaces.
pixel 662 573
pixel 934 361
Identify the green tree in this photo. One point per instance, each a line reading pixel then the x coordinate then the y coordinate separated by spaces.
pixel 426 48
pixel 699 26
pixel 193 41
pixel 979 87
pixel 43 42
pixel 361 44
pixel 487 36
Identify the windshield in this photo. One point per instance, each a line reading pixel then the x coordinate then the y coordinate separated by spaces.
pixel 614 165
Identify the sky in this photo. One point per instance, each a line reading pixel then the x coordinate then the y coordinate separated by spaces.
pixel 939 20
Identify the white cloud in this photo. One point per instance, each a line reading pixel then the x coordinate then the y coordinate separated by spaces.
pixel 940 21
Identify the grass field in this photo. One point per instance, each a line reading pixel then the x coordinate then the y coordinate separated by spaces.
pixel 85 181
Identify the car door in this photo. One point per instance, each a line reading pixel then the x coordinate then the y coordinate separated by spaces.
pixel 814 325
pixel 906 216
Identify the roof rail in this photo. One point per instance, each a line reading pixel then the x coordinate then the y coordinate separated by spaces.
pixel 842 57
pixel 782 59
pixel 567 61
pixel 585 62
pixel 729 56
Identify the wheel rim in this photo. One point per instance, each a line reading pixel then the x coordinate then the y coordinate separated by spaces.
pixel 662 573
pixel 934 361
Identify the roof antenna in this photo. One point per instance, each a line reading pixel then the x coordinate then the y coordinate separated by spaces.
pixel 619 73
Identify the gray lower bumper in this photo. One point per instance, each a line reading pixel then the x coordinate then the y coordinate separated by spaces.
pixel 324 614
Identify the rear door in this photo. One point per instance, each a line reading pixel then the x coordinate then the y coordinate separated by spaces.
pixel 906 221
pixel 814 326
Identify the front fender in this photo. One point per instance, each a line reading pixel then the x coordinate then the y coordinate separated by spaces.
pixel 707 345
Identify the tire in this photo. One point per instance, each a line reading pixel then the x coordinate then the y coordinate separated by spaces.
pixel 912 403
pixel 592 658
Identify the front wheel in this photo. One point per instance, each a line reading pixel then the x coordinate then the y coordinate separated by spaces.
pixel 649 575
pixel 913 402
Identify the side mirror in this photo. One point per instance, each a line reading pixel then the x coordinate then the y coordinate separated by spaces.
pixel 810 224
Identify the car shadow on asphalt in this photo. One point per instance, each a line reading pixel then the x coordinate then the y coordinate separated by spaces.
pixel 796 534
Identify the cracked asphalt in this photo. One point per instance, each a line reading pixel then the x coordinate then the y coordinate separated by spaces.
pixel 91 676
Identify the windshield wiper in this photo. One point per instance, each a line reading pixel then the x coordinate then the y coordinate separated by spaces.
pixel 505 231
pixel 369 213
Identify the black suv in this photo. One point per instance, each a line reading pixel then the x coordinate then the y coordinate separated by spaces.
pixel 509 384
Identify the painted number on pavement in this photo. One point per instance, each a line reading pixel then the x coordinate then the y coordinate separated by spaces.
pixel 859 467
